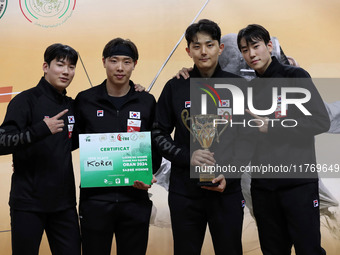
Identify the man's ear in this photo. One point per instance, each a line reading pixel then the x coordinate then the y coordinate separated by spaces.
pixel 221 49
pixel 270 46
pixel 103 59
pixel 45 67
pixel 188 51
pixel 134 64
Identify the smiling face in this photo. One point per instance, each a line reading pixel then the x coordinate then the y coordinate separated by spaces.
pixel 257 54
pixel 205 52
pixel 119 70
pixel 59 73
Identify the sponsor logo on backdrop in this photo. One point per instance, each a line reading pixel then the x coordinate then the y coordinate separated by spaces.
pixel 47 13
pixel 3 7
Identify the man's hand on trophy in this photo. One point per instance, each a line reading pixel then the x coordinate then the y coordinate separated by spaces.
pixel 142 185
pixel 202 157
pixel 222 183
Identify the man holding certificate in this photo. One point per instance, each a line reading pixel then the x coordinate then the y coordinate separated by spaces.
pixel 120 115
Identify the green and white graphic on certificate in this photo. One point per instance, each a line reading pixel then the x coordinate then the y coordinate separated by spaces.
pixel 115 159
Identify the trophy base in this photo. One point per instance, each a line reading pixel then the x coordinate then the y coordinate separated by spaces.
pixel 207 183
pixel 206 180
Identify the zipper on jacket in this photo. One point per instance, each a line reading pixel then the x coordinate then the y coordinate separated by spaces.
pixel 117 113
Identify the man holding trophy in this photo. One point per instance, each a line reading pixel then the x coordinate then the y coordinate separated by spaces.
pixel 196 202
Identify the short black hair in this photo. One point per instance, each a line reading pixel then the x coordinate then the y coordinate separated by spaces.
pixel 111 45
pixel 204 26
pixel 59 52
pixel 253 33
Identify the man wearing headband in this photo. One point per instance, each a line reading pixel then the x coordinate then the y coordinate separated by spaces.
pixel 107 108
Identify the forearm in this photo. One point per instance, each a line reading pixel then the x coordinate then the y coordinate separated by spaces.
pixel 11 138
pixel 169 149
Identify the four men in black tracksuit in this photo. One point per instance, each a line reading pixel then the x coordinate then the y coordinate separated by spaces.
pixel 38 131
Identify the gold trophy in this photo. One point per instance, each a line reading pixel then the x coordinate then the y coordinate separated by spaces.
pixel 204 130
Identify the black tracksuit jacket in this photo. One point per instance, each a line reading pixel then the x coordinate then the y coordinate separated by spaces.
pixel 171 103
pixel 290 147
pixel 114 120
pixel 43 179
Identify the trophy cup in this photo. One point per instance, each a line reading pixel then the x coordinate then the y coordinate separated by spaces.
pixel 204 130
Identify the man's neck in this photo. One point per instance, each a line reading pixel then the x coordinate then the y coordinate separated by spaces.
pixel 115 90
pixel 207 73
pixel 60 91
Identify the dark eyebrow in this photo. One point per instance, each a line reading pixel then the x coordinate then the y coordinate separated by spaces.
pixel 254 42
pixel 251 43
pixel 120 57
pixel 209 41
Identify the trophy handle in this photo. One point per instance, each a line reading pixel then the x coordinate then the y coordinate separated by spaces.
pixel 224 128
pixel 185 117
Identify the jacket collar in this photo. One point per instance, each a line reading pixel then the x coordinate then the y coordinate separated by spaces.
pixel 50 91
pixel 104 94
pixel 271 70
pixel 196 73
